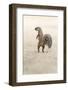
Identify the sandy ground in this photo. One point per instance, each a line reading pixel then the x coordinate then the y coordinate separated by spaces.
pixel 40 63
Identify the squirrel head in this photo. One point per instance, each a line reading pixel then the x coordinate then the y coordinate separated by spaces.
pixel 37 28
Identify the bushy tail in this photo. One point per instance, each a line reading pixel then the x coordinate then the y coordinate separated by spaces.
pixel 47 39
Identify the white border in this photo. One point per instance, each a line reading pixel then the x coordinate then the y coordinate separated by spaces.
pixel 41 77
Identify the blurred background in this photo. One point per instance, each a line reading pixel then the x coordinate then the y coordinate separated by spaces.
pixel 34 62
